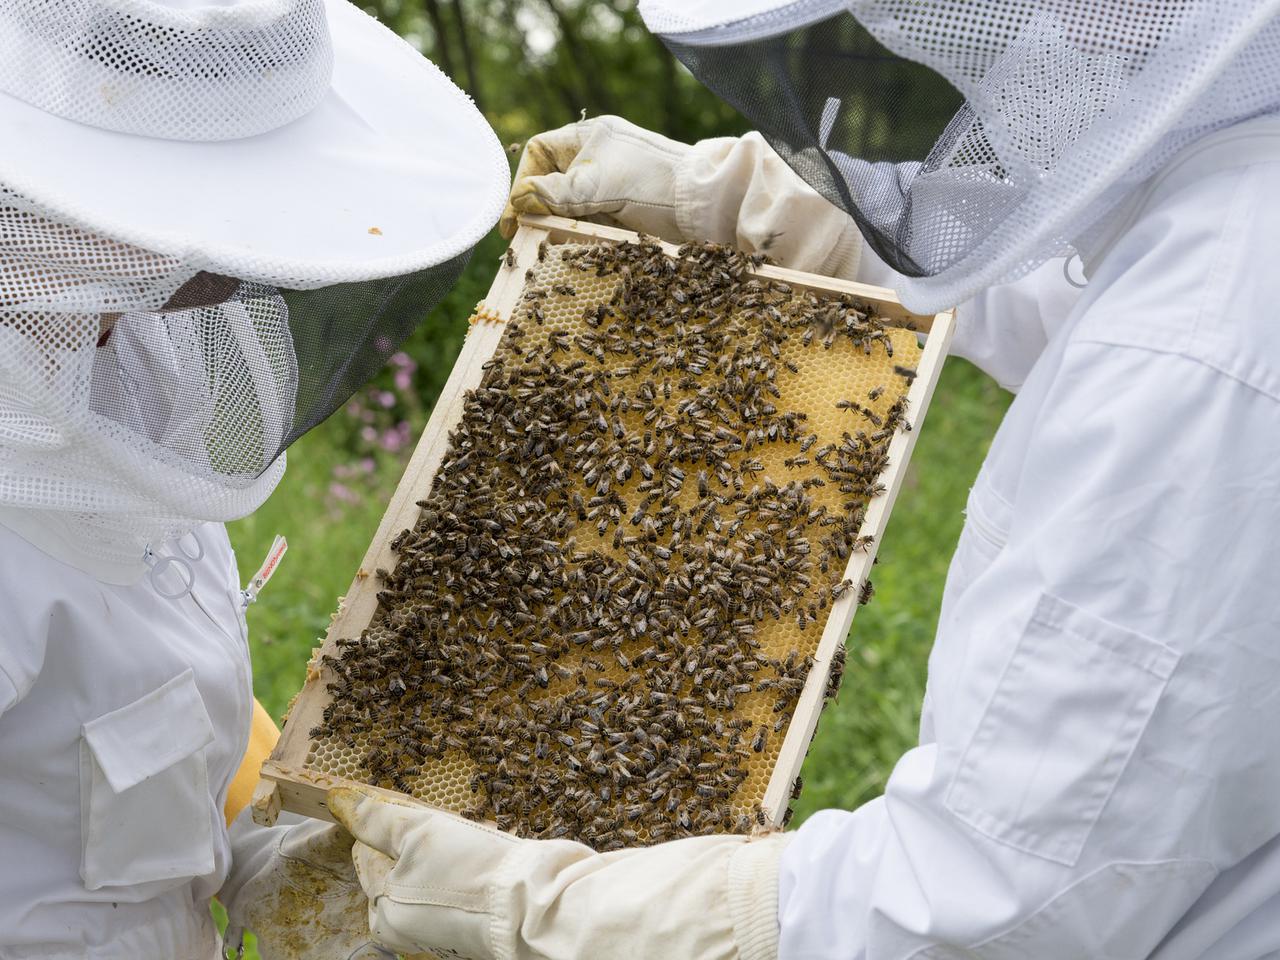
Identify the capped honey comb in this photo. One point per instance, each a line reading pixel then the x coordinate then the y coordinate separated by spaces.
pixel 600 624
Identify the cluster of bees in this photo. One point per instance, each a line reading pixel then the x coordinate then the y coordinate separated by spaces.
pixel 627 520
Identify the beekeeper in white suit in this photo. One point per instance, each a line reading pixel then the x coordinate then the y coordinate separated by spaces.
pixel 216 223
pixel 1097 773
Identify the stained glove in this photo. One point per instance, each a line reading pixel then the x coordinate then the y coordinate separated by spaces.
pixel 295 887
pixel 731 190
pixel 438 882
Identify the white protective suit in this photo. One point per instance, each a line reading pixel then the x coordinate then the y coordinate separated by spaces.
pixel 176 308
pixel 124 716
pixel 1095 776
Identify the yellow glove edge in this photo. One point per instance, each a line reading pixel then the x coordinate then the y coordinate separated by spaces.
pixel 263 735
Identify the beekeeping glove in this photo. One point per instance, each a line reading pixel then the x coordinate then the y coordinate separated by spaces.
pixel 295 887
pixel 438 882
pixel 606 169
pixel 731 190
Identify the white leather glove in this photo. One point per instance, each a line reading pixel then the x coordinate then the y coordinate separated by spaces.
pixel 295 887
pixel 606 169
pixel 463 890
pixel 731 190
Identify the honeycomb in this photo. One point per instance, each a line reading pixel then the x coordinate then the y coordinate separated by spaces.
pixel 814 370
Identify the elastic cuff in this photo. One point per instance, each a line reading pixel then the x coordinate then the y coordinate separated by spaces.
pixel 753 897
pixel 847 255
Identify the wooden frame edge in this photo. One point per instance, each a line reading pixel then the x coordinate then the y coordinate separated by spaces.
pixel 809 707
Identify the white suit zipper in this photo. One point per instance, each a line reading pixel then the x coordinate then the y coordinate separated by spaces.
pixel 238 649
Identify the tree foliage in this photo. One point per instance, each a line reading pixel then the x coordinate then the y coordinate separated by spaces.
pixel 531 65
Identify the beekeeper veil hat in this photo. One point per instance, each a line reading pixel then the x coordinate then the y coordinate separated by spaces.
pixel 217 221
pixel 974 139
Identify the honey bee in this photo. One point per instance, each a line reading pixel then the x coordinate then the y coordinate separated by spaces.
pixel 761 737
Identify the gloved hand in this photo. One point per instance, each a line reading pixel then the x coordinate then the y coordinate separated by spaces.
pixel 438 882
pixel 605 168
pixel 295 887
pixel 732 190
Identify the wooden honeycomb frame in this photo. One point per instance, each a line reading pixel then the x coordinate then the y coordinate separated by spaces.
pixel 287 783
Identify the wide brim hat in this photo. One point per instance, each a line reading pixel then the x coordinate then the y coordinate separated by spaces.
pixel 217 222
pixel 361 160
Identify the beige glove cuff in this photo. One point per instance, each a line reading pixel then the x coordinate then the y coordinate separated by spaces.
pixel 753 897
pixel 737 190
pixel 521 884
pixel 846 259
pixel 697 208
pixel 704 896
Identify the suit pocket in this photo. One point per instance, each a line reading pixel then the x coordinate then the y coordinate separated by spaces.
pixel 1070 707
pixel 145 808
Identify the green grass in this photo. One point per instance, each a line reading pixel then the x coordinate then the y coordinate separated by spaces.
pixel 860 736
pixel 293 610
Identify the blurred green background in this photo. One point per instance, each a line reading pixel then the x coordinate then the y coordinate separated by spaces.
pixel 532 65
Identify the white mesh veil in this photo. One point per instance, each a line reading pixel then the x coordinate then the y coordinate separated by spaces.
pixel 974 139
pixel 180 297
pixel 136 395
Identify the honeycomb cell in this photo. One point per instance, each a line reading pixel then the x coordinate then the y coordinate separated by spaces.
pixel 815 370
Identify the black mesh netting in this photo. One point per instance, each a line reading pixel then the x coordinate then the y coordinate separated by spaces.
pixel 344 334
pixel 860 124
pixel 253 367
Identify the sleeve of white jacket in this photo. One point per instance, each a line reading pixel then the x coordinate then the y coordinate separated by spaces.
pixel 1100 694
pixel 1003 330
pixel 21 658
